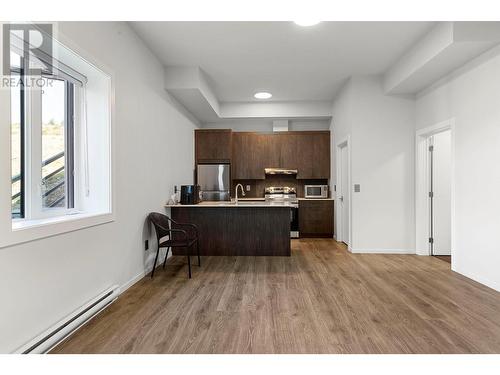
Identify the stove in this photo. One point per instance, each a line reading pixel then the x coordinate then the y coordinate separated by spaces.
pixel 289 195
pixel 281 194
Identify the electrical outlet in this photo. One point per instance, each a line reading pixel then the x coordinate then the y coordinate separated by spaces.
pixel 146 245
pixel 248 187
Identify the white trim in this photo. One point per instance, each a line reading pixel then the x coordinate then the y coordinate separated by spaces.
pixel 30 230
pixel 382 251
pixel 144 273
pixel 345 142
pixel 422 182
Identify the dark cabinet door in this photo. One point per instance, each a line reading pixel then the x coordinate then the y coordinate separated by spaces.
pixel 248 159
pixel 313 155
pixel 316 218
pixel 287 144
pixel 321 155
pixel 271 150
pixel 305 149
pixel 213 145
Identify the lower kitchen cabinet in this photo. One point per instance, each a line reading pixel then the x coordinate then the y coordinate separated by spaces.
pixel 316 218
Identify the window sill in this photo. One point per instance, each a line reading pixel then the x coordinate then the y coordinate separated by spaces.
pixel 30 230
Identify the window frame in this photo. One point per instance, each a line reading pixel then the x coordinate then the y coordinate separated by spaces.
pixel 31 149
pixel 22 146
pixel 97 130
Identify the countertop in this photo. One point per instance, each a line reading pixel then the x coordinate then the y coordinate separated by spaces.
pixel 315 199
pixel 246 202
pixel 231 204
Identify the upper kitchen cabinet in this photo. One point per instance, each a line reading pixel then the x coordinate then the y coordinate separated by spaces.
pixel 308 152
pixel 321 155
pixel 313 155
pixel 287 148
pixel 249 156
pixel 213 145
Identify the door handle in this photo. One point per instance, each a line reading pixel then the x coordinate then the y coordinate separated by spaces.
pixel 341 198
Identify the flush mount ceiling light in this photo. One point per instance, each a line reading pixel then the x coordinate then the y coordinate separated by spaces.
pixel 307 22
pixel 263 95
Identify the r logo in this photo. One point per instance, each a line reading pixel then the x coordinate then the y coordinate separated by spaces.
pixel 33 42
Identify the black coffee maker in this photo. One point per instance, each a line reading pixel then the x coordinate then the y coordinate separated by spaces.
pixel 190 194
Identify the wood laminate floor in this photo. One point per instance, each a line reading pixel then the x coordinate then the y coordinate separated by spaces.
pixel 322 299
pixel 446 258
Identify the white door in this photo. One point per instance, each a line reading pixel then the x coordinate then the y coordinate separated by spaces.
pixel 344 195
pixel 441 193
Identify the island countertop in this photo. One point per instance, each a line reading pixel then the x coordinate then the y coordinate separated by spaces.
pixel 240 203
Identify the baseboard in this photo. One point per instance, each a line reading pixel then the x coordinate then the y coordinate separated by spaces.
pixel 481 280
pixel 133 281
pixel 382 251
pixel 141 275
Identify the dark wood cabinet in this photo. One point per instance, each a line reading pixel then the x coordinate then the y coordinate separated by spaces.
pixel 249 156
pixel 313 150
pixel 308 152
pixel 213 145
pixel 316 218
pixel 321 155
pixel 305 147
pixel 287 144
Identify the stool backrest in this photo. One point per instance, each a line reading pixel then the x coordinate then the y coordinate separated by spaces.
pixel 161 224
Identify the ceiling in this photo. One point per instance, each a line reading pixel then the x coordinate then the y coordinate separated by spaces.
pixel 294 63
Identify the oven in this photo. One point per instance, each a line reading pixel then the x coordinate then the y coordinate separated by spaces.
pixel 294 221
pixel 288 196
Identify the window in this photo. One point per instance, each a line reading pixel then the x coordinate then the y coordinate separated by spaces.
pixel 60 144
pixel 57 187
pixel 17 144
pixel 43 157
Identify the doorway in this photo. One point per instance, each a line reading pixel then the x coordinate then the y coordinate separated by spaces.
pixel 440 194
pixel 434 191
pixel 343 207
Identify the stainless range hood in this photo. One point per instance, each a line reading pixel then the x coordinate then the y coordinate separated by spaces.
pixel 280 171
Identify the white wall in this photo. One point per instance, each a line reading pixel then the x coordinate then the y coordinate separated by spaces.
pixel 471 98
pixel 381 130
pixel 44 280
pixel 266 125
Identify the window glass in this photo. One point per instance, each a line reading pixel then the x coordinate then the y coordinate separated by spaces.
pixel 16 148
pixel 53 144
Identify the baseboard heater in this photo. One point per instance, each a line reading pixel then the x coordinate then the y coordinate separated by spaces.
pixel 62 329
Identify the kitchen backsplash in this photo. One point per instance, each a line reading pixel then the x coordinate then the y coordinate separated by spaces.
pixel 257 187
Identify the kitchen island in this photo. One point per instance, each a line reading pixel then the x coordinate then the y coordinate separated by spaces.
pixel 245 228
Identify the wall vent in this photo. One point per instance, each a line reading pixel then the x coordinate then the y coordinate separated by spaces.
pixel 280 126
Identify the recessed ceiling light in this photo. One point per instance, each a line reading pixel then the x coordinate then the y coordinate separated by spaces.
pixel 307 22
pixel 263 95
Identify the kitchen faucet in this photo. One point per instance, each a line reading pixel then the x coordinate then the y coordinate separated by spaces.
pixel 236 192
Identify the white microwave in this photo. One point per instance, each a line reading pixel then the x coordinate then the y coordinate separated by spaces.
pixel 315 191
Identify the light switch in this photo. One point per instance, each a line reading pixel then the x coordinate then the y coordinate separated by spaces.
pixel 357 188
pixel 248 187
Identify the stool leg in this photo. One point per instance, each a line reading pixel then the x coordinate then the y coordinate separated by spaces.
pixel 198 251
pixel 189 262
pixel 166 256
pixel 154 264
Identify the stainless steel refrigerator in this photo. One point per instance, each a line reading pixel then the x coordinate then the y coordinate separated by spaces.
pixel 214 181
